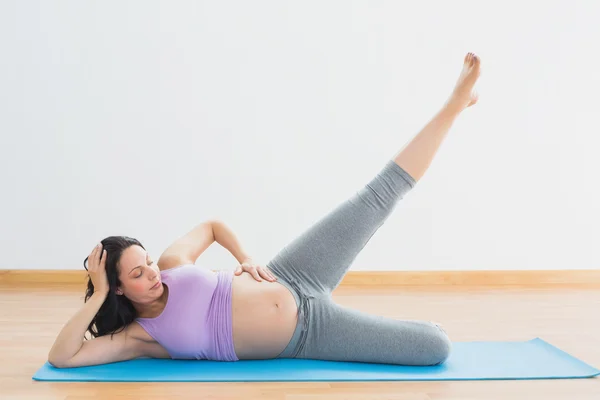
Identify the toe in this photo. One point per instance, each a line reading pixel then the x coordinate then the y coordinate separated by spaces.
pixel 477 65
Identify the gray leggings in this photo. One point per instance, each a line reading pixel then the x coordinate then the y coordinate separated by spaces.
pixel 313 265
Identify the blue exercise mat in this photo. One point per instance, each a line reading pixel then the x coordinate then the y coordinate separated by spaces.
pixel 534 359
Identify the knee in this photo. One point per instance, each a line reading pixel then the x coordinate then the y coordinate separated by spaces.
pixel 440 349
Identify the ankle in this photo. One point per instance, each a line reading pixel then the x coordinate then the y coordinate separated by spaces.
pixel 453 107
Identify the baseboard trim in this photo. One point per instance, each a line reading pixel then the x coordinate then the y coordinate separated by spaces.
pixel 529 278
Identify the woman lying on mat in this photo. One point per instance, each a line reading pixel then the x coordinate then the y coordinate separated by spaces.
pixel 175 309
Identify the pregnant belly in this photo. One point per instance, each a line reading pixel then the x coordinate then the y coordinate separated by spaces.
pixel 264 317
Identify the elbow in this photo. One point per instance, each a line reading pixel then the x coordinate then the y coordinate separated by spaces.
pixel 57 362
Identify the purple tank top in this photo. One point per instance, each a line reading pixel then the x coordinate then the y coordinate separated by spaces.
pixel 196 321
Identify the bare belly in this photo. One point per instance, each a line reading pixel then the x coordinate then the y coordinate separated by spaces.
pixel 264 317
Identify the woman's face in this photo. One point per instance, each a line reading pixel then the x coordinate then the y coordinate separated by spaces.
pixel 138 274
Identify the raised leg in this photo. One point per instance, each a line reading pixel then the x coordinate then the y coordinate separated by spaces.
pixel 416 157
pixel 321 255
pixel 318 258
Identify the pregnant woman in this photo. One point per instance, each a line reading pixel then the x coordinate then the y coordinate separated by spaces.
pixel 176 309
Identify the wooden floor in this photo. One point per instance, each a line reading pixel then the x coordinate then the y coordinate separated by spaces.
pixel 32 316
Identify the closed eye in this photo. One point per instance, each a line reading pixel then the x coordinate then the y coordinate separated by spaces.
pixel 141 273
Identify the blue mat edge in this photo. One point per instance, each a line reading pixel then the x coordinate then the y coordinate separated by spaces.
pixel 564 353
pixel 328 380
pixel 537 339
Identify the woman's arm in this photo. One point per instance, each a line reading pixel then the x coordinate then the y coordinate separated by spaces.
pixel 70 350
pixel 70 338
pixel 187 249
pixel 226 238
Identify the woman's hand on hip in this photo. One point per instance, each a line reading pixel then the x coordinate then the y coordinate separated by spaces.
pixel 256 270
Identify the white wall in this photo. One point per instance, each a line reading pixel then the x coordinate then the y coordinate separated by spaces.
pixel 145 118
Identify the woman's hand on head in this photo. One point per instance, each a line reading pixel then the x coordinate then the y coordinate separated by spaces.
pixel 97 269
pixel 256 270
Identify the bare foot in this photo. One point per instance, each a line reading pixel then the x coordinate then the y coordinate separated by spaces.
pixel 463 95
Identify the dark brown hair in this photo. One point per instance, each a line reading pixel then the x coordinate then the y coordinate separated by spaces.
pixel 117 311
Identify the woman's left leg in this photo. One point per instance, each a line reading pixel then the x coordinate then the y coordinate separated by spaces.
pixel 338 333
